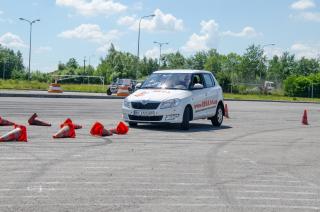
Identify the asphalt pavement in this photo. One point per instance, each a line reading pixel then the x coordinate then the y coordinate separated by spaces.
pixel 261 159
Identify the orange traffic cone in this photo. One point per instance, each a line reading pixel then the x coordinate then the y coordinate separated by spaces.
pixel 66 131
pixel 18 134
pixel 4 122
pixel 305 118
pixel 76 126
pixel 121 129
pixel 226 111
pixel 98 130
pixel 33 121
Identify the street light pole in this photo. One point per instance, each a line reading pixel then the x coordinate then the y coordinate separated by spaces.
pixel 160 47
pixel 4 68
pixel 30 40
pixel 263 46
pixel 143 17
pixel 269 44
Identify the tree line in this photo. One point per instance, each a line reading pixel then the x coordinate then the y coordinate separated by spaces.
pixel 252 67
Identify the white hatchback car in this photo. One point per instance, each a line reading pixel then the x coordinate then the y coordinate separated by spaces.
pixel 175 96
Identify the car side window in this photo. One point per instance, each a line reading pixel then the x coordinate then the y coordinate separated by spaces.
pixel 196 79
pixel 208 80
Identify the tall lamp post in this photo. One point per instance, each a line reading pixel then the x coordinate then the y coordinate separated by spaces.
pixel 160 47
pixel 143 17
pixel 263 46
pixel 30 23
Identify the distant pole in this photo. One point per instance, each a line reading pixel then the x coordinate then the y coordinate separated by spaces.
pixel 30 40
pixel 160 47
pixel 4 69
pixel 263 46
pixel 84 65
pixel 143 17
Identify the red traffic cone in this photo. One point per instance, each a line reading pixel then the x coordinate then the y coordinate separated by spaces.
pixel 18 134
pixel 226 111
pixel 76 126
pixel 121 129
pixel 305 118
pixel 33 121
pixel 66 131
pixel 4 122
pixel 98 130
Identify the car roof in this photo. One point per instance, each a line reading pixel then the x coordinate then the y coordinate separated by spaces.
pixel 178 71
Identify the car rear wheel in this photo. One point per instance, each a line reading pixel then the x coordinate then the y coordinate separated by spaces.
pixel 218 118
pixel 133 124
pixel 185 125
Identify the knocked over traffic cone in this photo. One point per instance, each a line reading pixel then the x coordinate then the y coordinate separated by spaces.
pixel 18 134
pixel 305 118
pixel 226 111
pixel 121 129
pixel 4 122
pixel 98 130
pixel 33 121
pixel 76 126
pixel 66 131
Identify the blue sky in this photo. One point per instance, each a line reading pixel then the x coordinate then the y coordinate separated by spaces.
pixel 85 28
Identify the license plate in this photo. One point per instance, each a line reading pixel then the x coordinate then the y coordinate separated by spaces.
pixel 144 113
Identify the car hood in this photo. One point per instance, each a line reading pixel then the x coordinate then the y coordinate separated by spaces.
pixel 158 95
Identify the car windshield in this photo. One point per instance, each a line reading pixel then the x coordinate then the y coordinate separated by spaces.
pixel 123 81
pixel 180 81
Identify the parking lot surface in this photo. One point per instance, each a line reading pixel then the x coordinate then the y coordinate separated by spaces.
pixel 261 159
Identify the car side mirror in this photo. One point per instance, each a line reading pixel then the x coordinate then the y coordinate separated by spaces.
pixel 138 86
pixel 197 86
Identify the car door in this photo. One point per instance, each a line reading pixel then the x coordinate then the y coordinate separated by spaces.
pixel 198 97
pixel 211 95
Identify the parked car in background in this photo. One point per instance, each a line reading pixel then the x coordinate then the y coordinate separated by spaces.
pixel 113 88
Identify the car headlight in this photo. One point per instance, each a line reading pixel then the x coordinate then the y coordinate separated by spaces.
pixel 170 103
pixel 126 103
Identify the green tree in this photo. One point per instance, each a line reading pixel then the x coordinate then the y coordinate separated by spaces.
pixel 173 61
pixel 253 64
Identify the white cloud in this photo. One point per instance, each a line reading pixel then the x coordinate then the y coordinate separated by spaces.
pixel 161 22
pixel 127 21
pixel 137 6
pixel 272 51
pixel 1 12
pixel 305 50
pixel 12 41
pixel 310 16
pixel 206 39
pixel 303 4
pixel 90 32
pixel 93 7
pixel 43 49
pixel 154 53
pixel 246 32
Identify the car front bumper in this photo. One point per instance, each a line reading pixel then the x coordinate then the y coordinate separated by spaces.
pixel 169 115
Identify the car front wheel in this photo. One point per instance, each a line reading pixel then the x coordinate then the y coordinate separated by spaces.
pixel 218 118
pixel 185 125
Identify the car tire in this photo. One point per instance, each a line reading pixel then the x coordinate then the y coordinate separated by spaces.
pixel 185 125
pixel 109 92
pixel 133 124
pixel 218 118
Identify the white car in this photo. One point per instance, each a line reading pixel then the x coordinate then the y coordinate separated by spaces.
pixel 175 96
